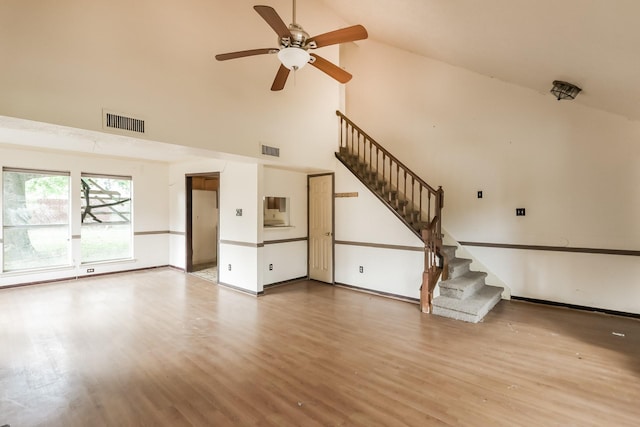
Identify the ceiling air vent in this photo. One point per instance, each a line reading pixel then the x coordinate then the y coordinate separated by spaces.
pixel 270 151
pixel 118 121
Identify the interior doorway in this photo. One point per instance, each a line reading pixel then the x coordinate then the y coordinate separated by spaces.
pixel 321 227
pixel 202 228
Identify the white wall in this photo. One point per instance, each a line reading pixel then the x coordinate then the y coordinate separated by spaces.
pixel 238 234
pixel 66 61
pixel 364 219
pixel 575 170
pixel 150 208
pixel 289 260
pixel 239 189
pixel 155 61
pixel 178 202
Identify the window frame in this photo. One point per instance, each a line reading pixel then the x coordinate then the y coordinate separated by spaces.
pixel 66 225
pixel 84 226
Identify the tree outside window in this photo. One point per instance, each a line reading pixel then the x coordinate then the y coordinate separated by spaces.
pixel 106 232
pixel 36 232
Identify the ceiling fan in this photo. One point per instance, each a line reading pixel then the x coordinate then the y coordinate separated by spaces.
pixel 294 45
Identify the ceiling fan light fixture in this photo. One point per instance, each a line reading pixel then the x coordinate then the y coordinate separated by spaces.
pixel 564 90
pixel 293 58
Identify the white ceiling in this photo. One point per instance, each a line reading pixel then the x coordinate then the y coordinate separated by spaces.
pixel 594 44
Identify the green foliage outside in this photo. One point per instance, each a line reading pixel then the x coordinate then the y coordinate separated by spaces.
pixel 36 220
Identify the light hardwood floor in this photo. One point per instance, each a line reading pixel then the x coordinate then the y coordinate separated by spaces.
pixel 164 348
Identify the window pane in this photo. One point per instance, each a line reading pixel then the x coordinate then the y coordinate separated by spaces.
pixel 35 220
pixel 106 232
pixel 36 247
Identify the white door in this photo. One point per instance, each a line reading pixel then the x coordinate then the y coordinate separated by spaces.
pixel 321 228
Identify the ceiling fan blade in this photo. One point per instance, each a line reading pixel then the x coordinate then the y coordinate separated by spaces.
pixel 273 19
pixel 331 69
pixel 349 34
pixel 281 78
pixel 243 53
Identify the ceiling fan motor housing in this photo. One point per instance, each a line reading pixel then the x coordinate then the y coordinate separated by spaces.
pixel 298 37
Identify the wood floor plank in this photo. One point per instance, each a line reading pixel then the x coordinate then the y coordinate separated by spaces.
pixel 164 348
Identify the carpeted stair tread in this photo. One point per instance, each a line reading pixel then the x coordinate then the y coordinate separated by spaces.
pixel 463 286
pixel 472 309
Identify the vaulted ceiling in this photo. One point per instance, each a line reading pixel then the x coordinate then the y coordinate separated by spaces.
pixel 594 44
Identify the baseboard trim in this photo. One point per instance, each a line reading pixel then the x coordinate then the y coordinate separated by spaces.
pixel 378 293
pixel 84 276
pixel 284 282
pixel 242 290
pixel 576 307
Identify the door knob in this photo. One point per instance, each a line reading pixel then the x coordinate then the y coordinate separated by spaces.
pixel 328 233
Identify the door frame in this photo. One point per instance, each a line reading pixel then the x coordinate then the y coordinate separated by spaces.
pixel 189 218
pixel 333 223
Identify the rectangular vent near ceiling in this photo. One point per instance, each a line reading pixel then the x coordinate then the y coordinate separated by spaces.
pixel 270 151
pixel 117 121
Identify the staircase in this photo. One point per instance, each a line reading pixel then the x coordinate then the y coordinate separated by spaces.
pixel 463 293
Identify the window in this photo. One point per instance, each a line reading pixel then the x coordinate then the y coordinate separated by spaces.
pixel 276 212
pixel 106 232
pixel 35 216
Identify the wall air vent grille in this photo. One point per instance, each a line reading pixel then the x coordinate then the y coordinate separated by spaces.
pixel 117 121
pixel 270 151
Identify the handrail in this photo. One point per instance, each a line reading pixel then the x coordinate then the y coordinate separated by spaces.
pixel 384 150
pixel 395 184
pixel 433 224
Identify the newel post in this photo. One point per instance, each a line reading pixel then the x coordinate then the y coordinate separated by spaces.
pixel 426 293
pixel 434 264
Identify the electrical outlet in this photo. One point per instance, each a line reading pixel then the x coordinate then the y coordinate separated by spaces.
pixel 90 270
pixel 520 212
pixel 229 267
pixel 480 194
pixel 270 267
pixel 361 269
pixel 238 212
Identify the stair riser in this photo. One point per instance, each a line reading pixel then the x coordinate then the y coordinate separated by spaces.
pixel 467 317
pixel 450 253
pixel 461 293
pixel 458 270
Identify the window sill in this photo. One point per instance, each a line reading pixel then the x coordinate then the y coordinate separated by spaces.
pixel 31 271
pixel 42 270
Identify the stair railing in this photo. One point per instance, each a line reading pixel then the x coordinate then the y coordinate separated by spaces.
pixel 419 203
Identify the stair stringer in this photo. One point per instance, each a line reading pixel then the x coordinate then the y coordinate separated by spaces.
pixel 379 242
